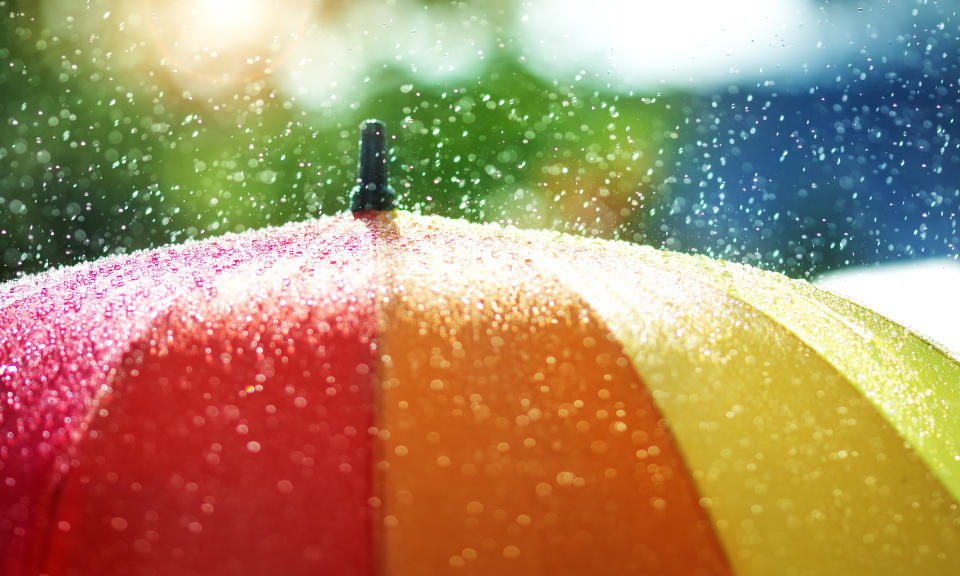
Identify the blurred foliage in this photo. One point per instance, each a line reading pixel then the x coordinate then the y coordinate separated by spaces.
pixel 97 163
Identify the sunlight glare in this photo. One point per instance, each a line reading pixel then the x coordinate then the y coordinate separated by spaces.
pixel 233 18
pixel 214 45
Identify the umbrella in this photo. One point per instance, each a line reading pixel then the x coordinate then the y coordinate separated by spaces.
pixel 382 392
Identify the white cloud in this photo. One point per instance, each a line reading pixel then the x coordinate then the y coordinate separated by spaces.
pixel 700 43
pixel 921 295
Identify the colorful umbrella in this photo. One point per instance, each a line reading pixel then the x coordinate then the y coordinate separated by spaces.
pixel 386 393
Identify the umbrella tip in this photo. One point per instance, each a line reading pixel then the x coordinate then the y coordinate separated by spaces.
pixel 372 191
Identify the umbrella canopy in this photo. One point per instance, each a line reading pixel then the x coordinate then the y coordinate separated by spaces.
pixel 385 393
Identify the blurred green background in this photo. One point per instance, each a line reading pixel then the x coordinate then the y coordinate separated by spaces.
pixel 128 125
pixel 103 154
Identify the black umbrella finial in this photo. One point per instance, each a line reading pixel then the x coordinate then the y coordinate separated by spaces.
pixel 372 191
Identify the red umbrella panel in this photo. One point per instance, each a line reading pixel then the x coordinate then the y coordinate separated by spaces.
pixel 275 418
pixel 388 394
